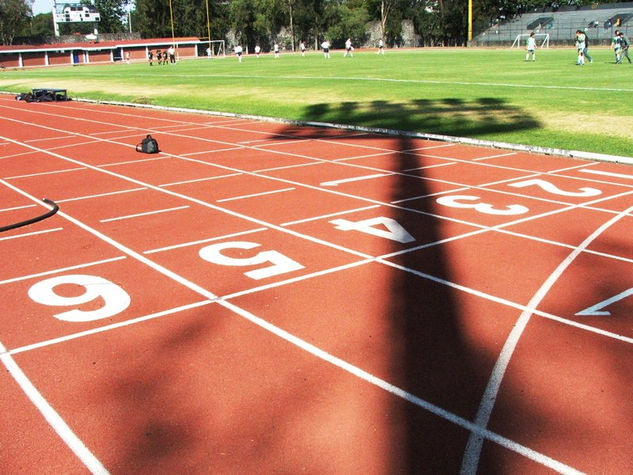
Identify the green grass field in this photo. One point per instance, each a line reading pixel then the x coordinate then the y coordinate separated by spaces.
pixel 478 93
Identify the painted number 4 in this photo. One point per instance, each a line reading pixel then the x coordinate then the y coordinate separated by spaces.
pixel 380 226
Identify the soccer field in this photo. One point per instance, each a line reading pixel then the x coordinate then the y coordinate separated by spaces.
pixel 483 94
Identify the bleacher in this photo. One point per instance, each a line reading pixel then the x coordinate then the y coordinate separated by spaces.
pixel 599 22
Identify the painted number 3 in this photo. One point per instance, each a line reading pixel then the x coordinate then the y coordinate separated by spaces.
pixel 95 289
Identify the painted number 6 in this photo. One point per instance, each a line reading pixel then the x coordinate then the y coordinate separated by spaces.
pixel 280 263
pixel 115 299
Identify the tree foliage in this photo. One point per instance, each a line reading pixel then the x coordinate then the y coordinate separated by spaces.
pixel 14 18
pixel 437 22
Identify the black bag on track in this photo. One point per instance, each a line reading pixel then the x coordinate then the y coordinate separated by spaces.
pixel 148 145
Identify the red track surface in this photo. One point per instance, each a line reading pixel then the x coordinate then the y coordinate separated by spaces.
pixel 262 298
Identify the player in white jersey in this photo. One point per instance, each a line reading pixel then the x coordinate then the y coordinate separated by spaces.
pixel 349 48
pixel 326 49
pixel 531 48
pixel 580 45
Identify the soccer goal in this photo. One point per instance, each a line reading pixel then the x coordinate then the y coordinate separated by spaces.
pixel 542 40
pixel 211 49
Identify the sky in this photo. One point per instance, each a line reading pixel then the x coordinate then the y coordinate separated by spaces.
pixel 42 6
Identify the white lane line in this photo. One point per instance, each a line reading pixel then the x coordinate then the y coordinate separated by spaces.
pixel 15 208
pixel 54 172
pixel 356 178
pixel 52 417
pixel 396 391
pixel 202 241
pixel 430 166
pixel 105 328
pixel 316 218
pixel 137 215
pixel 100 195
pixel 470 462
pixel 255 195
pixel 485 433
pixel 499 155
pixel 129 162
pixel 63 269
pixel 34 233
pixel 196 180
pixel 600 172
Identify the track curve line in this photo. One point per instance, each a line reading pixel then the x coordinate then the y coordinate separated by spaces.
pixel 470 461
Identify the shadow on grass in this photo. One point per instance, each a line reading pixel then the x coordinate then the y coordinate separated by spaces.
pixel 449 116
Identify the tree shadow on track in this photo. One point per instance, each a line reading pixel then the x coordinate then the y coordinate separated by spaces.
pixel 432 357
pixel 449 116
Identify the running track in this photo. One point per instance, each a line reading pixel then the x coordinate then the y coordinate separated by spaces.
pixel 261 297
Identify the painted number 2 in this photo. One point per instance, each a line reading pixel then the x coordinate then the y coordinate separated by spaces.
pixel 584 192
pixel 280 263
pixel 113 297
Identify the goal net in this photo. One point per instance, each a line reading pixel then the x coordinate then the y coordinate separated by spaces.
pixel 542 40
pixel 211 49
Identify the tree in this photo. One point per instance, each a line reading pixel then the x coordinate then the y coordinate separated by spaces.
pixel 14 18
pixel 113 15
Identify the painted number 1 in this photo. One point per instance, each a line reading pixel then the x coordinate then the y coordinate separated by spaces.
pixel 113 297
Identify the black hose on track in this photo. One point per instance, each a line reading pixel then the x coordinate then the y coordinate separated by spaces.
pixel 33 220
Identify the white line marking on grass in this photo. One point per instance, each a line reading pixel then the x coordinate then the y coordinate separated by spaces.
pixel 470 462
pixel 63 269
pixel 34 233
pixel 52 417
pixel 202 241
pixel 600 172
pixel 255 195
pixel 412 81
pixel 147 213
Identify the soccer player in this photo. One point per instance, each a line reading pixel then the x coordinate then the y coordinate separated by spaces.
pixel 238 52
pixel 580 46
pixel 150 57
pixel 302 47
pixel 276 49
pixel 258 50
pixel 381 47
pixel 585 52
pixel 348 48
pixel 616 44
pixel 531 47
pixel 326 49
pixel 625 47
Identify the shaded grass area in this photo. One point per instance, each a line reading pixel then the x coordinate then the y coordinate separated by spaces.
pixel 487 94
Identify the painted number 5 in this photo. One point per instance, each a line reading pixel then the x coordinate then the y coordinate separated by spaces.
pixel 114 298
pixel 280 263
